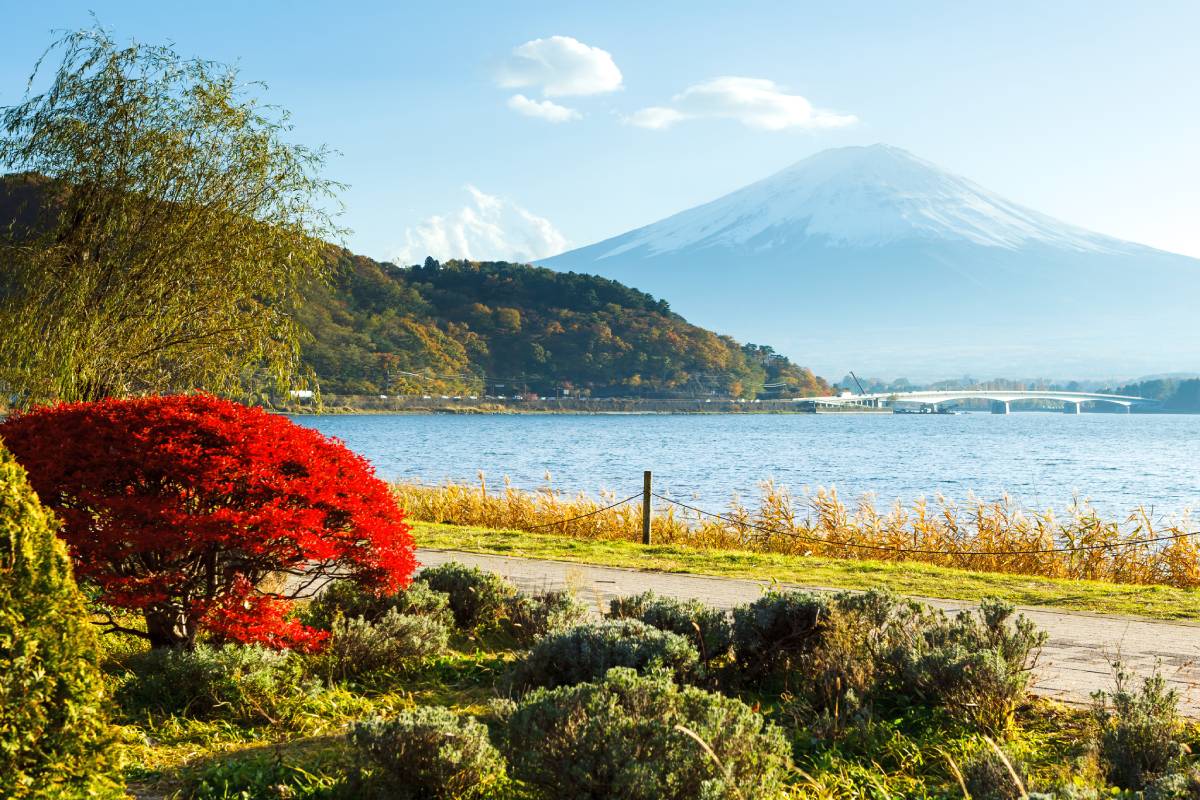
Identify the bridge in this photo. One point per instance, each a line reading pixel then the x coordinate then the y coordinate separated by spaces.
pixel 1001 399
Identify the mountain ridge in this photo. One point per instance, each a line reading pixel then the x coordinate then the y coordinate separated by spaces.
pixel 892 242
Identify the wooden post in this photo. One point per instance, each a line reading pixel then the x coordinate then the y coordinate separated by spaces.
pixel 646 507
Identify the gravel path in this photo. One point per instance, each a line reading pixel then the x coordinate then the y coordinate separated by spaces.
pixel 1075 662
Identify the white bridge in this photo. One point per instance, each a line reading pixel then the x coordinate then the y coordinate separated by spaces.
pixel 1001 399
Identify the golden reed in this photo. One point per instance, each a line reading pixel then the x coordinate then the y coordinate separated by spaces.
pixel 994 536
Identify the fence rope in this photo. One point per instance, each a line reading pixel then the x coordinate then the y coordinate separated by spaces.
pixel 920 551
pixel 588 514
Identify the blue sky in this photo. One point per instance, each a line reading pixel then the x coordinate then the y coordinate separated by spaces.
pixel 1084 110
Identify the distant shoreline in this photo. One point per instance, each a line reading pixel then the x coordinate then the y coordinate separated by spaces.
pixel 586 406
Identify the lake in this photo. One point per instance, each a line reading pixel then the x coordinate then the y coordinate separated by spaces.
pixel 1042 460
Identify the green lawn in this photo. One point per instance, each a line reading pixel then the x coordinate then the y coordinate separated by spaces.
pixel 920 580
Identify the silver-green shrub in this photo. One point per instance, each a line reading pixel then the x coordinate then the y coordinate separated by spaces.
pixel 708 628
pixel 242 683
pixel 1137 731
pixel 529 617
pixel 477 598
pixel 978 665
pixel 771 633
pixel 348 599
pixel 428 753
pixel 644 738
pixel 586 652
pixel 360 650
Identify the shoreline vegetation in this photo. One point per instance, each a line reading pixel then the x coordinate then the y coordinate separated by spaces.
pixel 465 405
pixel 975 535
pixel 416 404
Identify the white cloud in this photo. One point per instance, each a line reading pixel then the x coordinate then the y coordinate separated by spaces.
pixel 755 102
pixel 490 228
pixel 655 117
pixel 560 67
pixel 542 109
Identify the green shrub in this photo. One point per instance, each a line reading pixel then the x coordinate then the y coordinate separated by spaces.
pixel 707 628
pixel 987 776
pixel 773 631
pixel 977 665
pixel 586 652
pixel 54 739
pixel 358 649
pixel 623 737
pixel 428 752
pixel 241 683
pixel 349 600
pixel 1182 785
pixel 1137 731
pixel 850 664
pixel 529 617
pixel 477 598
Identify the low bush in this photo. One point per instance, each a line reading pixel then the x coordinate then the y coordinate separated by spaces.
pixel 644 738
pixel 848 651
pixel 54 738
pixel 978 665
pixel 529 617
pixel 1137 736
pixel 1181 785
pixel 772 632
pixel 852 663
pixel 477 598
pixel 992 775
pixel 242 683
pixel 372 651
pixel 429 752
pixel 349 600
pixel 708 628
pixel 586 652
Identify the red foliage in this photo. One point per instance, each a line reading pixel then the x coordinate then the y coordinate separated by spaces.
pixel 180 506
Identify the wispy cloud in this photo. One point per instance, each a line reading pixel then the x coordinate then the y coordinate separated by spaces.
pixel 755 102
pixel 489 228
pixel 560 66
pixel 542 109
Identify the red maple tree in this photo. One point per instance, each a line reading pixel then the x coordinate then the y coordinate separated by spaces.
pixel 181 507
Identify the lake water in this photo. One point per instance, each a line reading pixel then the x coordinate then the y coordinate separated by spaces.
pixel 1042 460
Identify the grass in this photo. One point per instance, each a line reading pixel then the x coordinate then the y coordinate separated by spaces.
pixel 909 578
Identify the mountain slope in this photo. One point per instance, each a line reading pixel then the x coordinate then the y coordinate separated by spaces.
pixel 879 260
pixel 474 327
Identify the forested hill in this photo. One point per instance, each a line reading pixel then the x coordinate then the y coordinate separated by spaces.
pixel 497 328
pixel 501 328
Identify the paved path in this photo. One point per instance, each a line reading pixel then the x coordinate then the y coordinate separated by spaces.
pixel 1075 661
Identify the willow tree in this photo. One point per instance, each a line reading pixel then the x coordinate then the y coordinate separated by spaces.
pixel 162 226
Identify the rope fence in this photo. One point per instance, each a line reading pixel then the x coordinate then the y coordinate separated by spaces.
pixel 647 494
pixel 921 551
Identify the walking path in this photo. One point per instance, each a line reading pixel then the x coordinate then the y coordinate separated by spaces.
pixel 1075 662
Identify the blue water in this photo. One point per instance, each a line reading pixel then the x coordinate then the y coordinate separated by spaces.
pixel 1042 460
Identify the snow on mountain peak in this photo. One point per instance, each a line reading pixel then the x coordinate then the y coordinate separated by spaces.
pixel 859 197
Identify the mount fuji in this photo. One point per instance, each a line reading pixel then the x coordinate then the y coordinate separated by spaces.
pixel 873 259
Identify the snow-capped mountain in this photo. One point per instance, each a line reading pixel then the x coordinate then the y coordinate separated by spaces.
pixel 872 258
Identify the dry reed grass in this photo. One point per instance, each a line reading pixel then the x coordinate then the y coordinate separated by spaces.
pixel 992 536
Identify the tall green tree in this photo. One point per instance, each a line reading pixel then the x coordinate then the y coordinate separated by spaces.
pixel 170 229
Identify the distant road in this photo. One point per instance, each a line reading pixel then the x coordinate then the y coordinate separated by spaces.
pixel 1075 661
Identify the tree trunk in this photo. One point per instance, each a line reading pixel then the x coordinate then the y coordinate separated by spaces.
pixel 169 627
